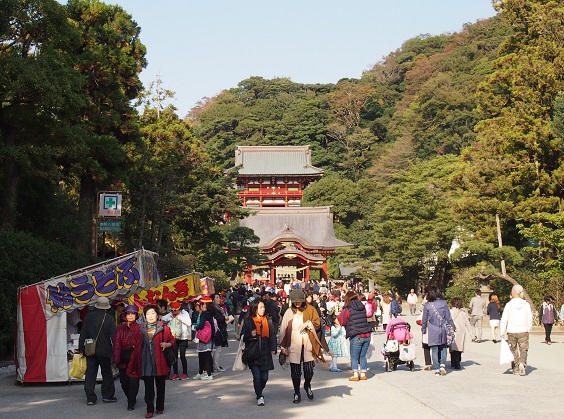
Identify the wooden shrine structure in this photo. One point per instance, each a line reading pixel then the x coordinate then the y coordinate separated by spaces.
pixel 295 239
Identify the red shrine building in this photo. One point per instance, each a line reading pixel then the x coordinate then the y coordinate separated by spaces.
pixel 296 239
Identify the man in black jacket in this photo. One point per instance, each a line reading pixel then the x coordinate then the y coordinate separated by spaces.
pixel 100 326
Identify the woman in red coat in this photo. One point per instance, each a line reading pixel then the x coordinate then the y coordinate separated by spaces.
pixel 148 360
pixel 124 344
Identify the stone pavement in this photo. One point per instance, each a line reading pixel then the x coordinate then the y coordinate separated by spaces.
pixel 482 389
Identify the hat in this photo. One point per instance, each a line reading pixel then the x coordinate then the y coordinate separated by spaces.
pixel 175 306
pixel 130 309
pixel 297 296
pixel 206 299
pixel 103 303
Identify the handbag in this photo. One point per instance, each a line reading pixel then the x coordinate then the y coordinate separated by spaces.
pixel 170 357
pixel 204 335
pixel 90 344
pixel 252 351
pixel 283 360
pixel 407 353
pixel 505 354
pixel 239 365
pixel 77 367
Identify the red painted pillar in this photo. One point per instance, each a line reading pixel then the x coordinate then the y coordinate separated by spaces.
pixel 272 275
pixel 324 270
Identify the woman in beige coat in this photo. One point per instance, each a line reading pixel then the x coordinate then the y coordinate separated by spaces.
pixel 298 340
pixel 462 325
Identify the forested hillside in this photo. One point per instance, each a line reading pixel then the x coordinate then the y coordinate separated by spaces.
pixel 427 147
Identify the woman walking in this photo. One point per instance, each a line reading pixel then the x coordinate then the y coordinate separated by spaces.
pixel 148 360
pixel 547 316
pixel 462 324
pixel 256 324
pixel 298 340
pixel 124 344
pixel 494 311
pixel 204 349
pixel 358 331
pixel 435 315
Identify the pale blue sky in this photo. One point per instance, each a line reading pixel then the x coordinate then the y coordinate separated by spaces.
pixel 200 48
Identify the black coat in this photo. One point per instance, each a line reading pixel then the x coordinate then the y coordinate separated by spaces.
pixel 91 326
pixel 268 345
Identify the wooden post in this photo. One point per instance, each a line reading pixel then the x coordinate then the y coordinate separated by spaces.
pixel 503 271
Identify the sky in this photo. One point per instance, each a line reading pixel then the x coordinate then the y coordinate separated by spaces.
pixel 199 48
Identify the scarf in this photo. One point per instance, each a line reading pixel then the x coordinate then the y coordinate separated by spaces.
pixel 264 322
pixel 151 329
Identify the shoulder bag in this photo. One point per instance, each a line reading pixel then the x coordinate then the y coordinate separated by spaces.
pixel 445 325
pixel 90 344
pixel 251 353
pixel 170 357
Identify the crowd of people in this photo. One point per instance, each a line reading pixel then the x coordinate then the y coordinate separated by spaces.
pixel 305 324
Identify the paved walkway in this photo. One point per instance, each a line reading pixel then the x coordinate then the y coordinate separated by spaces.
pixel 482 389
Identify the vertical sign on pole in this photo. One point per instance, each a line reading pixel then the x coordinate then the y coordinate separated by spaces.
pixel 109 206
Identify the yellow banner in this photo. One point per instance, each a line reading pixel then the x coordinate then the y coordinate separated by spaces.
pixel 176 289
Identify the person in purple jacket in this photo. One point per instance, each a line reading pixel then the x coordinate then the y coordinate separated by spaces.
pixel 435 315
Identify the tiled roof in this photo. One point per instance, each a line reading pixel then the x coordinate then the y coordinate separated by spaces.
pixel 275 160
pixel 311 226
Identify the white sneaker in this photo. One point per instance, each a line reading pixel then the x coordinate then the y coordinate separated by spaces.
pixel 260 401
pixel 206 377
pixel 442 370
pixel 197 377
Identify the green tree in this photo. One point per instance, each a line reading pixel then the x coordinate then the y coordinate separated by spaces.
pixel 514 167
pixel 39 93
pixel 240 250
pixel 110 58
pixel 413 225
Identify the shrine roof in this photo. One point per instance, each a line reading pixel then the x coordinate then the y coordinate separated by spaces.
pixel 312 227
pixel 274 160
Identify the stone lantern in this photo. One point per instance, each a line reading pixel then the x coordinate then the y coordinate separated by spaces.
pixel 483 284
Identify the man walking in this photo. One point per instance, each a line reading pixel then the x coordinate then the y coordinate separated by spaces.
pixel 100 327
pixel 477 310
pixel 412 301
pixel 516 322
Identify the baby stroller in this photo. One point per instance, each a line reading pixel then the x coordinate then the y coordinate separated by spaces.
pixel 398 338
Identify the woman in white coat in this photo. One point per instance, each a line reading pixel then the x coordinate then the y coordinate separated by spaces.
pixel 462 325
